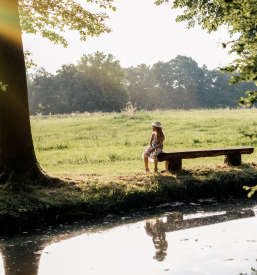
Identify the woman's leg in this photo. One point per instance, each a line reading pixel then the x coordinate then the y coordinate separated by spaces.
pixel 146 163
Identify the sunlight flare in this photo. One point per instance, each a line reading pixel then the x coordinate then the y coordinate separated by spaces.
pixel 8 21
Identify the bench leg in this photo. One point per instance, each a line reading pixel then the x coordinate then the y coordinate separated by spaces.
pixel 233 159
pixel 173 165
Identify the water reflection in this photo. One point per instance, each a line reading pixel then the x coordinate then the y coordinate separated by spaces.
pixel 156 230
pixel 21 258
pixel 120 247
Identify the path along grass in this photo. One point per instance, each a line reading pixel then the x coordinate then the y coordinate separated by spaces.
pixel 112 144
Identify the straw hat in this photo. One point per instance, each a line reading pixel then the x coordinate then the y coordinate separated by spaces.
pixel 156 124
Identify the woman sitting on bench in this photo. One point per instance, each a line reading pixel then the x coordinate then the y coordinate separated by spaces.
pixel 155 146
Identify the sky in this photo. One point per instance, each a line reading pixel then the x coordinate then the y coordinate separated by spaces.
pixel 141 33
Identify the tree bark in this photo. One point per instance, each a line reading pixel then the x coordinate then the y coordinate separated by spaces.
pixel 17 155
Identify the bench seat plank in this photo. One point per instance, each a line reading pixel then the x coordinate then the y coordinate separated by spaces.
pixel 201 153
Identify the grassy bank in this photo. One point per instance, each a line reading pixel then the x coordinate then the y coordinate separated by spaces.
pixel 87 195
pixel 112 144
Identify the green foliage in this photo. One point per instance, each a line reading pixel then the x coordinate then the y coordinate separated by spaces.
pixel 52 17
pixel 253 190
pixel 28 62
pixel 3 86
pixel 241 18
pixel 251 99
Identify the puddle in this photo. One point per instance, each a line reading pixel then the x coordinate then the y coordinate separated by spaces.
pixel 210 237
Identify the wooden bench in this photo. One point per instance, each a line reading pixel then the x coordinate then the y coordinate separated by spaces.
pixel 173 159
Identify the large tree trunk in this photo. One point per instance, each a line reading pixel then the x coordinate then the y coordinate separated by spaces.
pixel 17 155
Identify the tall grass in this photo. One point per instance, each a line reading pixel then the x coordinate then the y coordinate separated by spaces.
pixel 112 144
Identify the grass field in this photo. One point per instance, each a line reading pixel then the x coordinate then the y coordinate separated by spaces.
pixel 112 144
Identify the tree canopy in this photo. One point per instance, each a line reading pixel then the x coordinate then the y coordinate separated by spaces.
pixel 50 18
pixel 240 16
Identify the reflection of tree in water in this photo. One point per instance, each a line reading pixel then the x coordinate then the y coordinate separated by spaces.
pixel 21 259
pixel 21 253
pixel 156 230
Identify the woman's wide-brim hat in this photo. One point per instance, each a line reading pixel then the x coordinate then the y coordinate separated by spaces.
pixel 156 124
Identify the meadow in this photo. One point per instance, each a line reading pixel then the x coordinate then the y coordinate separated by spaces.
pixel 112 143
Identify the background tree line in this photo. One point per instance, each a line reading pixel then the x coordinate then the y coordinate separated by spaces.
pixel 99 83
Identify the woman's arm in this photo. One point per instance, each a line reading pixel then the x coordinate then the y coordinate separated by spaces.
pixel 158 146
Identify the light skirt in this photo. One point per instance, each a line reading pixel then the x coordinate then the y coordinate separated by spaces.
pixel 153 155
